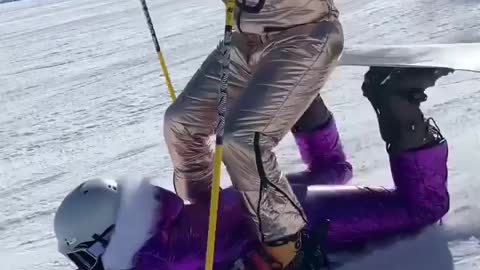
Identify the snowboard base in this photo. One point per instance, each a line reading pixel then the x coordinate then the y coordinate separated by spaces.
pixel 457 56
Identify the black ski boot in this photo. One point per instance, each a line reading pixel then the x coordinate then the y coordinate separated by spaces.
pixel 310 245
pixel 310 254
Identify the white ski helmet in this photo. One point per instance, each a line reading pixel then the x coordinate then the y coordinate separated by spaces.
pixel 85 220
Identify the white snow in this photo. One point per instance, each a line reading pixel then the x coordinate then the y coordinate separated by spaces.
pixel 82 95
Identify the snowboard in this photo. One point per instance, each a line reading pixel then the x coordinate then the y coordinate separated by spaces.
pixel 457 56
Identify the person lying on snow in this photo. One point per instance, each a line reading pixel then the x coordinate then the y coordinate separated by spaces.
pixel 133 224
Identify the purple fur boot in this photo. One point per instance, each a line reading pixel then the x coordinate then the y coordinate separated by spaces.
pixel 322 152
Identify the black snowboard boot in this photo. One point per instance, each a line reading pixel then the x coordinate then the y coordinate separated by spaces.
pixel 396 94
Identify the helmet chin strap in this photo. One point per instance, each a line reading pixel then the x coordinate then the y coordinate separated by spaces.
pixel 88 255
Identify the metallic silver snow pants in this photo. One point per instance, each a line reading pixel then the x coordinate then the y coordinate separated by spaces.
pixel 274 78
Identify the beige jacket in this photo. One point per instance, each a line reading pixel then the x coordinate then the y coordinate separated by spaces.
pixel 260 16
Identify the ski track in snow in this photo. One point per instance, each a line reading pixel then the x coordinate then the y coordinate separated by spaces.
pixel 82 95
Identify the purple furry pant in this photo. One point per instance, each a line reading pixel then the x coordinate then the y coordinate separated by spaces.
pixel 359 215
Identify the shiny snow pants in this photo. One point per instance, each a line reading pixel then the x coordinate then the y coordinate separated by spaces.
pixel 274 78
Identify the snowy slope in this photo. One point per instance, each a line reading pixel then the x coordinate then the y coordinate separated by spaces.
pixel 81 95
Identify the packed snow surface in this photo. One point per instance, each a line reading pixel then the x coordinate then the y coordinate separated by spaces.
pixel 82 95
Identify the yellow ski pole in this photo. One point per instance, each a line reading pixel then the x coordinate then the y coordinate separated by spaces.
pixel 222 104
pixel 159 52
pixel 214 201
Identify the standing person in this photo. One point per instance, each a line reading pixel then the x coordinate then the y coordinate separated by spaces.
pixel 283 52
